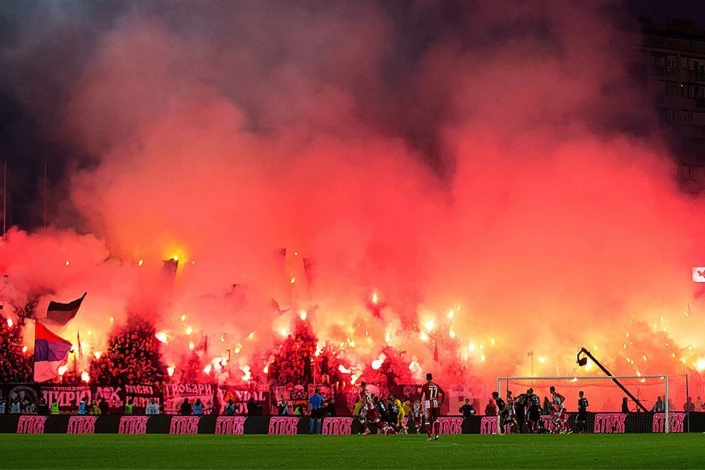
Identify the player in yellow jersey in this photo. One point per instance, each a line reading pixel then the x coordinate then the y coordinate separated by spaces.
pixel 356 409
pixel 401 415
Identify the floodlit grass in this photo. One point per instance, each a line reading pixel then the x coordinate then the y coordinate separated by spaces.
pixel 322 452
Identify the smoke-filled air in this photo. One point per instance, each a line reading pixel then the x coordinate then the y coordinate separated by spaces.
pixel 422 186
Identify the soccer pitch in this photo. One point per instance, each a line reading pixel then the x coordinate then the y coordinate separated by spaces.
pixel 322 452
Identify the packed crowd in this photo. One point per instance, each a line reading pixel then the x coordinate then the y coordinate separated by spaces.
pixel 16 364
pixel 133 357
pixel 298 361
pixel 293 362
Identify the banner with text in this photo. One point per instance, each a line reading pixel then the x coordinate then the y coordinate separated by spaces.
pixel 175 394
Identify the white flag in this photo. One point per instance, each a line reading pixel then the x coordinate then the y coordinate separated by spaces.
pixel 699 274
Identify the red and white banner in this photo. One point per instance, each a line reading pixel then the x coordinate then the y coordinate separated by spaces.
pixel 230 425
pixel 488 425
pixel 31 424
pixel 279 425
pixel 81 425
pixel 133 425
pixel 609 423
pixel 184 425
pixel 337 426
pixel 451 425
pixel 676 422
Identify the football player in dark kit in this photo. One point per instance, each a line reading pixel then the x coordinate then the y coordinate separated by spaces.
pixel 520 404
pixel 534 410
pixel 502 411
pixel 581 421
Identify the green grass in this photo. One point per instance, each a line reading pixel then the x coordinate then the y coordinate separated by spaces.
pixel 322 452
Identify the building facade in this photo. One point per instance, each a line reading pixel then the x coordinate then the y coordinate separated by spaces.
pixel 674 68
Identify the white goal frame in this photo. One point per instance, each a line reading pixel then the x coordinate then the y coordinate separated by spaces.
pixel 663 377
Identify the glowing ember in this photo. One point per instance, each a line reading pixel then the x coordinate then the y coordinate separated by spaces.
pixel 542 359
pixel 377 363
pixel 303 315
pixel 387 338
pixel 424 336
pixel 471 347
pixel 191 346
pixel 161 336
pixel 67 263
pixel 293 280
pixel 451 333
pixel 700 365
pixel 170 370
pixel 284 332
pixel 430 324
pixel 24 349
pixel 183 317
pixel 112 319
pixel 492 341
pixel 9 322
pixel 375 298
pixel 85 377
pixel 247 375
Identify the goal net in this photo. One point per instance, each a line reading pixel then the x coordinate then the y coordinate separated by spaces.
pixel 620 404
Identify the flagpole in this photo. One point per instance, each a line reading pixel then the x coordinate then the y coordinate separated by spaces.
pixel 45 194
pixel 4 201
pixel 75 357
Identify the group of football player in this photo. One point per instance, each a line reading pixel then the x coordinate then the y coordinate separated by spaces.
pixel 373 413
pixel 522 414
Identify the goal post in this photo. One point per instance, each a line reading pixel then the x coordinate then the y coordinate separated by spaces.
pixel 617 404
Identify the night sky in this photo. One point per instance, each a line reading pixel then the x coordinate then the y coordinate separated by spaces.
pixel 33 89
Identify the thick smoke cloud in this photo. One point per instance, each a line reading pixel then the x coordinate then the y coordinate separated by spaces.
pixel 445 155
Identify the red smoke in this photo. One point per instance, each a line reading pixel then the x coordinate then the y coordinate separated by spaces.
pixel 522 211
